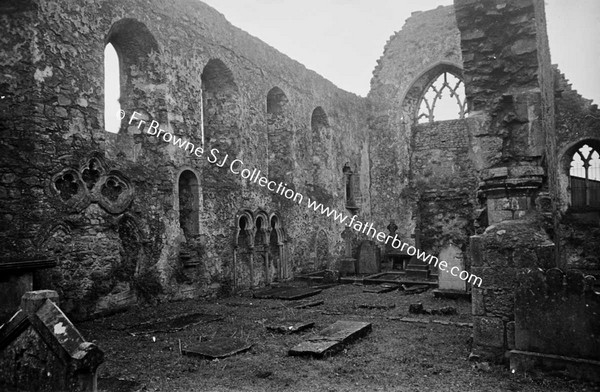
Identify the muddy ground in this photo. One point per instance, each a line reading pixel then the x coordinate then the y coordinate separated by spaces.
pixel 143 353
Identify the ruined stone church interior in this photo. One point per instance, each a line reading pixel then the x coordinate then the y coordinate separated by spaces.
pixel 218 217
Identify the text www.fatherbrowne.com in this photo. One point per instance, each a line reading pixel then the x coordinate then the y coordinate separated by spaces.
pixel 237 167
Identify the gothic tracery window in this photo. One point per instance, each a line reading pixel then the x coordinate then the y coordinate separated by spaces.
pixel 585 177
pixel 444 99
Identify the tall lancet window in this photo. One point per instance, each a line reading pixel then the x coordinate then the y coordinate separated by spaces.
pixel 112 90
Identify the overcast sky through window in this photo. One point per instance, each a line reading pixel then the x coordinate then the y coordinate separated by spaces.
pixel 342 39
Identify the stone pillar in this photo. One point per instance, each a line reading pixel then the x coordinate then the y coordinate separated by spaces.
pixel 498 255
pixel 506 64
pixel 31 301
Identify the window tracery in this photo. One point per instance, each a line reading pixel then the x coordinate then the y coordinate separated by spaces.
pixel 585 177
pixel 443 99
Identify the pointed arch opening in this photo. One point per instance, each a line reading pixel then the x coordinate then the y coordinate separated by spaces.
pixel 112 89
pixel 437 94
pixel 443 99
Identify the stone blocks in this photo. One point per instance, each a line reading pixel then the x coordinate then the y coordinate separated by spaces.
pixel 40 349
pixel 557 313
pixel 499 255
pixel 488 331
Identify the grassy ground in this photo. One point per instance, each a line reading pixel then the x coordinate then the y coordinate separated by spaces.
pixel 395 356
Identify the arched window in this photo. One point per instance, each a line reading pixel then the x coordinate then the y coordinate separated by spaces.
pixel 279 149
pixel 444 99
pixel 112 90
pixel 276 101
pixel 259 237
pixel 219 96
pixel 585 178
pixel 127 70
pixel 189 203
pixel 318 122
pixel 321 146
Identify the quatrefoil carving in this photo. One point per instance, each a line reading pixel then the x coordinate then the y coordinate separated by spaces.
pixel 92 172
pixel 77 189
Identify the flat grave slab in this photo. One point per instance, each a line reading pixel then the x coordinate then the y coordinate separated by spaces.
pixel 398 278
pixel 172 324
pixel 287 293
pixel 331 339
pixel 415 289
pixel 346 330
pixel 376 306
pixel 307 304
pixel 380 289
pixel 315 276
pixel 316 348
pixel 290 326
pixel 217 348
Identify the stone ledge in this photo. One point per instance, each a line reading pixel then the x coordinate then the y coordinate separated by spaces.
pixel 27 265
pixel 522 361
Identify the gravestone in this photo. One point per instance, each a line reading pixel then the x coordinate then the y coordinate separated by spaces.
pixel 331 339
pixel 454 257
pixel 286 293
pixel 41 350
pixel 217 348
pixel 368 258
pixel 347 263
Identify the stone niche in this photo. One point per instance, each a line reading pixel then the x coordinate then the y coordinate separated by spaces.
pixel 41 350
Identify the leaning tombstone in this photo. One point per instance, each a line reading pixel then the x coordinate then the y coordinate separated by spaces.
pixel 41 350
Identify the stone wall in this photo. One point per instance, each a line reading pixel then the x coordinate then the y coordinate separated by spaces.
pixel 428 44
pixel 577 124
pixel 556 313
pixel 424 174
pixel 498 255
pixel 510 93
pixel 444 178
pixel 109 204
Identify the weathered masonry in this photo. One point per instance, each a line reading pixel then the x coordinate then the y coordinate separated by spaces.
pixel 502 175
pixel 470 146
pixel 120 217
